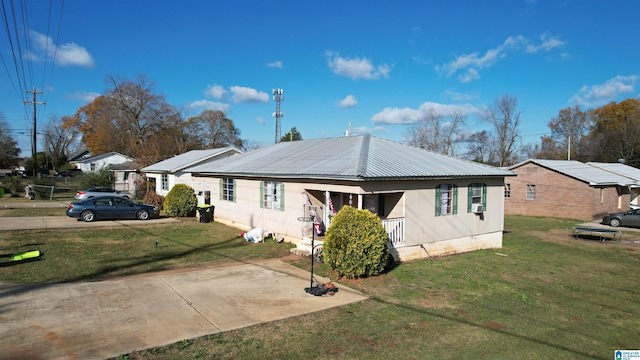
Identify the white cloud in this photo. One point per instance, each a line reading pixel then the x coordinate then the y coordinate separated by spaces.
pixel 356 68
pixel 348 102
pixel 547 44
pixel 84 96
pixel 275 64
pixel 210 105
pixel 457 96
pixel 248 95
pixel 469 65
pixel 261 120
pixel 363 130
pixel 70 54
pixel 407 115
pixel 601 94
pixel 215 91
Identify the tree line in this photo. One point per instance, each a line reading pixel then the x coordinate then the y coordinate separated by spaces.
pixel 131 117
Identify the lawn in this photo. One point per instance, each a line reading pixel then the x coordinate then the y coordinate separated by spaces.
pixel 543 295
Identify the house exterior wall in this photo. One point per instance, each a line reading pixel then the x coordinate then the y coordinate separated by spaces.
pixel 558 195
pixel 85 166
pixel 126 181
pixel 415 201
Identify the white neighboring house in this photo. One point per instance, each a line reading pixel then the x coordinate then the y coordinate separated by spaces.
pixel 163 175
pixel 126 177
pixel 95 163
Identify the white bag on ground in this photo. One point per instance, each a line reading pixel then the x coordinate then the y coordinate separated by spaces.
pixel 255 235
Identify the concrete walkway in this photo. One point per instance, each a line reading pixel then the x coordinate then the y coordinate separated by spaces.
pixel 105 319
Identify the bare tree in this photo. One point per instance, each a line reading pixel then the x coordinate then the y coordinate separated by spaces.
pixel 435 134
pixel 505 119
pixel 213 130
pixel 60 140
pixel 569 132
pixel 482 147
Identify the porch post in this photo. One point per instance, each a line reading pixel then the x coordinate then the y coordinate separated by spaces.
pixel 327 200
pixel 359 201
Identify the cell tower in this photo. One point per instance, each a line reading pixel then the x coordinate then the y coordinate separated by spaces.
pixel 278 96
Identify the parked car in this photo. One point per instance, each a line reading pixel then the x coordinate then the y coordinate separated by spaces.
pixel 629 218
pixel 69 173
pixel 101 191
pixel 111 207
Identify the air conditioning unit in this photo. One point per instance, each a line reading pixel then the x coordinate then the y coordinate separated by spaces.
pixel 476 208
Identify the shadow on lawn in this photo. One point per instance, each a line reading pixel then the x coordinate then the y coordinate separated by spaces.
pixel 145 260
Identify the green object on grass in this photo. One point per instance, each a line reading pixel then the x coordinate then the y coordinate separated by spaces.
pixel 26 255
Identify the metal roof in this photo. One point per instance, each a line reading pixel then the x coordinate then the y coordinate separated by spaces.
pixel 590 174
pixel 190 158
pixel 620 169
pixel 362 158
pixel 100 157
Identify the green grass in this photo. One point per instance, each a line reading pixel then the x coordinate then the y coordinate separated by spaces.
pixel 544 295
pixel 24 212
pixel 101 253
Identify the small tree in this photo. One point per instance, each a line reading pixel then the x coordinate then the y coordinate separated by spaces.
pixel 102 177
pixel 180 201
pixel 356 244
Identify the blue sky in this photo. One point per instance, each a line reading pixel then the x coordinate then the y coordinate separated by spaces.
pixel 379 65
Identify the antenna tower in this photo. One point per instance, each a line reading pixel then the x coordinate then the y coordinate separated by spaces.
pixel 278 96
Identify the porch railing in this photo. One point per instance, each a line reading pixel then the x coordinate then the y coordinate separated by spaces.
pixel 395 230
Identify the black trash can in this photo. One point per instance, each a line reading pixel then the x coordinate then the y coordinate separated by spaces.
pixel 205 213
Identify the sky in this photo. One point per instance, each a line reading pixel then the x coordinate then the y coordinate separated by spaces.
pixel 377 66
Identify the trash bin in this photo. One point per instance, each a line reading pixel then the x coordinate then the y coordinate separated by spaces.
pixel 205 213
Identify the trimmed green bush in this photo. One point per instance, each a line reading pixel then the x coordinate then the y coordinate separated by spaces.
pixel 356 244
pixel 180 201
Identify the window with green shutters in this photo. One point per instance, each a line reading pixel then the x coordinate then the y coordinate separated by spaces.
pixel 446 199
pixel 272 195
pixel 477 194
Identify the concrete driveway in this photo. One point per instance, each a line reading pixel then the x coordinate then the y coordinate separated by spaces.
pixel 99 320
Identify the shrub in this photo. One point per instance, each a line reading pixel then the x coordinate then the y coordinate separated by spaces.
pixel 155 199
pixel 13 184
pixel 356 244
pixel 102 177
pixel 43 191
pixel 180 201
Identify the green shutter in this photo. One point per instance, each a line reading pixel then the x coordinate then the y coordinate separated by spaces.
pixel 262 194
pixel 281 205
pixel 235 190
pixel 438 200
pixel 484 197
pixel 455 199
pixel 469 197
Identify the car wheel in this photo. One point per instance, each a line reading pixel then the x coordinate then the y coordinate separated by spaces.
pixel 126 197
pixel 615 222
pixel 88 215
pixel 142 215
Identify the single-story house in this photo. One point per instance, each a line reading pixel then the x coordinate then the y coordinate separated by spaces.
pixel 566 189
pixel 126 176
pixel 95 163
pixel 163 175
pixel 430 204
pixel 626 171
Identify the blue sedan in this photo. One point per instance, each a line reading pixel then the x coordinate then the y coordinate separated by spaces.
pixel 111 207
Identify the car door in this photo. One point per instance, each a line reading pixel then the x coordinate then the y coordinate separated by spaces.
pixel 124 208
pixel 631 219
pixel 103 208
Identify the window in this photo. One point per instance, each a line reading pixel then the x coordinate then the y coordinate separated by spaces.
pixel 228 189
pixel 477 194
pixel 531 192
pixel 507 191
pixel 272 194
pixel 446 199
pixel 93 166
pixel 165 182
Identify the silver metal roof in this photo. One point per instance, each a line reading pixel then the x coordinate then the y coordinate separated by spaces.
pixel 590 174
pixel 351 158
pixel 190 158
pixel 620 169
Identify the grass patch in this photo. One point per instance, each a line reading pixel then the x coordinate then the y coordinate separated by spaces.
pixel 552 296
pixel 25 212
pixel 102 253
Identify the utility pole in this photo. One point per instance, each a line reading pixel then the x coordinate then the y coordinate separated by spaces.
pixel 34 102
pixel 278 96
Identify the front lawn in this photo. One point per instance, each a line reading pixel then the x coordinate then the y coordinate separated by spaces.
pixel 543 295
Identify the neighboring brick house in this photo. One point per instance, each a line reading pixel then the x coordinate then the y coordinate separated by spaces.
pixel 566 189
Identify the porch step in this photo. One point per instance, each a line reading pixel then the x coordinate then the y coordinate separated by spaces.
pixel 303 247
